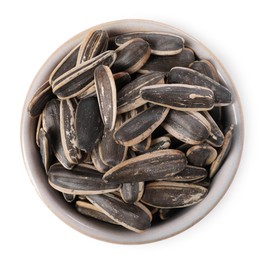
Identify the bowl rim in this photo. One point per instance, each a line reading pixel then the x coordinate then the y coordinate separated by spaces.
pixel 173 226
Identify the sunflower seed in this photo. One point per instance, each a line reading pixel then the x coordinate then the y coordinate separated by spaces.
pixel 93 44
pixel 135 217
pixel 89 126
pixel 205 67
pixel 190 173
pixel 69 197
pixel 39 100
pixel 189 127
pixel 192 77
pixel 75 81
pixel 143 146
pixel 51 125
pixel 179 96
pixel 201 155
pixel 138 128
pixel 68 131
pixel 216 137
pixel 89 92
pixel 149 166
pixel 106 94
pixel 121 79
pixel 166 63
pixel 132 192
pixel 161 43
pixel 167 213
pixel 111 153
pixel 223 153
pixel 66 64
pixel 39 126
pixel 88 209
pixel 128 97
pixel 81 180
pixel 160 143
pixel 131 56
pixel 97 161
pixel 164 194
pixel 45 149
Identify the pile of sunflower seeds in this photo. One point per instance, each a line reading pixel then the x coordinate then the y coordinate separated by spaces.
pixel 130 128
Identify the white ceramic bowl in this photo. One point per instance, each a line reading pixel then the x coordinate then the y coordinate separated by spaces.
pixel 107 232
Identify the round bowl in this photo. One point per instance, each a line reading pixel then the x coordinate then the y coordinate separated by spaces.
pixel 115 234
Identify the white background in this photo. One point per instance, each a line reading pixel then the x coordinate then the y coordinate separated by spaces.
pixel 32 30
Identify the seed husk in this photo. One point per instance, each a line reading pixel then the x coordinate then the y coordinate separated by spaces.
pixel 143 146
pixel 39 100
pixel 106 94
pixel 89 126
pixel 129 98
pixel 205 67
pixel 216 137
pixel 160 143
pixel 189 174
pixel 88 209
pixel 160 43
pixel 138 128
pixel 68 131
pixel 131 56
pixel 192 77
pixel 75 81
pixel 89 92
pixel 121 79
pixel 189 127
pixel 39 126
pixel 201 155
pixel 179 96
pixel 223 153
pixel 69 197
pixel 135 217
pixel 66 64
pixel 83 179
pixel 163 194
pixel 149 166
pixel 166 63
pixel 97 161
pixel 51 125
pixel 112 153
pixel 45 149
pixel 93 44
pixel 132 192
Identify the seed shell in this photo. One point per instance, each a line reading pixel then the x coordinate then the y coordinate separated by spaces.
pixel 189 127
pixel 45 149
pixel 164 194
pixel 132 192
pixel 192 77
pixel 135 217
pixel 89 126
pixel 69 197
pixel 149 166
pixel 131 56
pixel 166 63
pixel 121 79
pixel 97 161
pixel 179 96
pixel 160 43
pixel 83 179
pixel 106 94
pixel 39 126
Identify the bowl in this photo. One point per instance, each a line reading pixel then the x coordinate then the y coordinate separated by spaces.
pixel 112 233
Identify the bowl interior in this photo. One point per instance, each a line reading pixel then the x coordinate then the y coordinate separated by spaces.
pixel 186 217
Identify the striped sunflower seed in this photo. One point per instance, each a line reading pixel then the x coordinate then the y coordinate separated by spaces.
pixel 138 128
pixel 160 43
pixel 205 67
pixel 45 149
pixel 39 126
pixel 179 96
pixel 132 192
pixel 129 98
pixel 78 79
pixel 83 179
pixel 201 155
pixel 69 197
pixel 89 126
pixel 149 166
pixel 106 94
pixel 131 56
pixel 192 77
pixel 97 161
pixel 135 217
pixel 162 194
pixel 88 209
pixel 189 127
pixel 121 79
pixel 166 63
